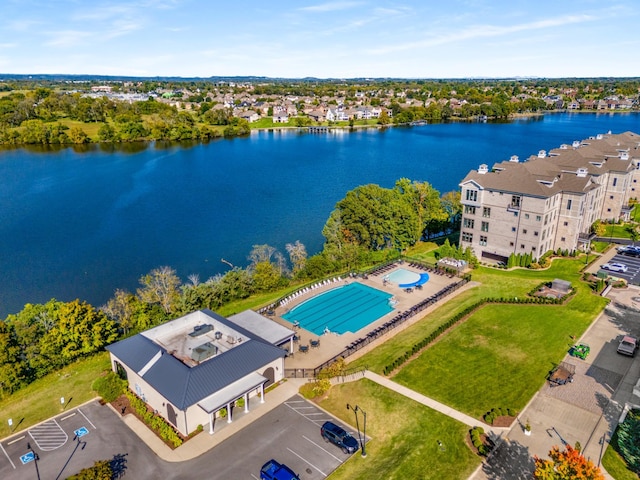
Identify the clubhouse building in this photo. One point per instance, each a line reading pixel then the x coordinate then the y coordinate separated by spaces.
pixel 191 368
pixel 551 200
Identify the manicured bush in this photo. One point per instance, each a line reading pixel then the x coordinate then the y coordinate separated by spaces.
pixel 109 386
pixel 155 422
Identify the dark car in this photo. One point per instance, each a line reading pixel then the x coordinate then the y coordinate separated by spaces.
pixel 628 345
pixel 630 250
pixel 339 436
pixel 273 470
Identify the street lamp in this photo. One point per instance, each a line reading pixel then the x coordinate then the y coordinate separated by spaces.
pixel 362 439
pixel 35 459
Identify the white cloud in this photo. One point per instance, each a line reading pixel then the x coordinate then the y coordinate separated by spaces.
pixel 67 38
pixel 330 6
pixel 484 31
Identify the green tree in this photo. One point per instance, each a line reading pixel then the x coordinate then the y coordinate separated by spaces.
pixel 265 276
pixel 80 331
pixel 160 286
pixel 101 470
pixel 12 367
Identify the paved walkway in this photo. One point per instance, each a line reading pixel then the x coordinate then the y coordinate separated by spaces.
pixel 431 403
pixel 203 442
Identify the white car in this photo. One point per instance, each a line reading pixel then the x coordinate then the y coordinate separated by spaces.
pixel 615 267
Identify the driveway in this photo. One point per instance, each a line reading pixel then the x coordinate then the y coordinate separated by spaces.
pixel 586 410
pixel 290 433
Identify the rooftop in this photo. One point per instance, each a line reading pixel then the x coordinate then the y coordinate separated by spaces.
pixel 196 337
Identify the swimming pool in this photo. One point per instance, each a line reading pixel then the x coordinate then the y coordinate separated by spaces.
pixel 344 309
pixel 406 278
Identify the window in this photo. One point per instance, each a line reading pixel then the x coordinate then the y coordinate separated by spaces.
pixel 511 244
pixel 513 229
pixel 468 223
pixel 486 212
pixel 516 200
pixel 485 226
pixel 524 230
pixel 483 240
pixel 610 197
pixel 472 195
pixel 569 204
pixel 526 215
pixel 566 224
pixel 468 209
pixel 562 239
pixel 608 209
pixel 535 234
pixel 615 181
pixel 467 237
pixel 522 246
pixel 533 249
pixel 538 218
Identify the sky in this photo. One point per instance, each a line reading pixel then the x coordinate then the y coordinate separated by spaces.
pixel 322 38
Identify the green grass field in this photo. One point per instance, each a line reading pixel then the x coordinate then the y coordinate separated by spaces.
pixel 41 399
pixel 616 231
pixel 500 355
pixel 404 436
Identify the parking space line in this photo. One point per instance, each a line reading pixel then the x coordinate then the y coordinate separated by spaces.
pixel 317 413
pixel 16 440
pixel 6 455
pixel 321 448
pixel 68 416
pixel 87 419
pixel 255 476
pixel 49 435
pixel 307 462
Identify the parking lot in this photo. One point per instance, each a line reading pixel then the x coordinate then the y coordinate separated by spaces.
pixel 632 275
pixel 290 433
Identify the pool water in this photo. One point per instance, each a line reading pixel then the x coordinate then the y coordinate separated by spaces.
pixel 344 309
pixel 406 278
pixel 402 275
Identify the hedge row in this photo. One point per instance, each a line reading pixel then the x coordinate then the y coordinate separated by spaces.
pixel 400 360
pixel 494 413
pixel 155 422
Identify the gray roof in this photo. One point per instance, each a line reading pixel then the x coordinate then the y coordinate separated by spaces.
pixel 184 386
pixel 271 331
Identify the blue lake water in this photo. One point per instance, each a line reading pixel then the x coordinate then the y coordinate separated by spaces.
pixel 80 225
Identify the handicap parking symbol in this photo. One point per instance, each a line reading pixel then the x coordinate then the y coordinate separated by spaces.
pixel 27 457
pixel 81 432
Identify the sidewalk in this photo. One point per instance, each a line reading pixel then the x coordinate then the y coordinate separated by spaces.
pixel 431 403
pixel 203 442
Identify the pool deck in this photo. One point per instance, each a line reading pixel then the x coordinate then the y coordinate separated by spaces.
pixel 332 344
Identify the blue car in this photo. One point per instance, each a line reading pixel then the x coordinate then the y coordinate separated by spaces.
pixel 273 470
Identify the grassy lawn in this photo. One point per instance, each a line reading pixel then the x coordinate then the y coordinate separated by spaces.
pixel 41 399
pixel 613 462
pixel 91 129
pixel 404 436
pixel 493 283
pixel 617 231
pixel 501 354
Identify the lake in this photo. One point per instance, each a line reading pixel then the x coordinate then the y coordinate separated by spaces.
pixel 80 225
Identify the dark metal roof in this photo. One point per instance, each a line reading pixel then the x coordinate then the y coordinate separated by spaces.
pixel 184 386
pixel 135 352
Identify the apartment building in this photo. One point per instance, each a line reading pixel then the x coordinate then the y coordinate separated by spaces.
pixel 550 200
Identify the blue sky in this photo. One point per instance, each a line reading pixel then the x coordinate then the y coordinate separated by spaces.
pixel 332 38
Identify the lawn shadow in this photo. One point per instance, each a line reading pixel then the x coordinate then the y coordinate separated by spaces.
pixel 510 460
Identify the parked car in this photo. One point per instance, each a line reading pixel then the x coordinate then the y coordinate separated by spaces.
pixel 273 470
pixel 339 436
pixel 615 267
pixel 628 345
pixel 630 250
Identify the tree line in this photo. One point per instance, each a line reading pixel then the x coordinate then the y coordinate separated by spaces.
pixel 370 224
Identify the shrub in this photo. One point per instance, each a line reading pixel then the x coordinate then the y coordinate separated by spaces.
pixel 109 386
pixel 155 422
pixel 101 470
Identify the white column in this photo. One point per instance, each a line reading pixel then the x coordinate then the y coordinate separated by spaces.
pixel 291 345
pixel 262 393
pixel 211 423
pixel 246 402
pixel 229 420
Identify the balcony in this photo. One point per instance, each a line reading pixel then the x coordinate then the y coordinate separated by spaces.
pixel 513 208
